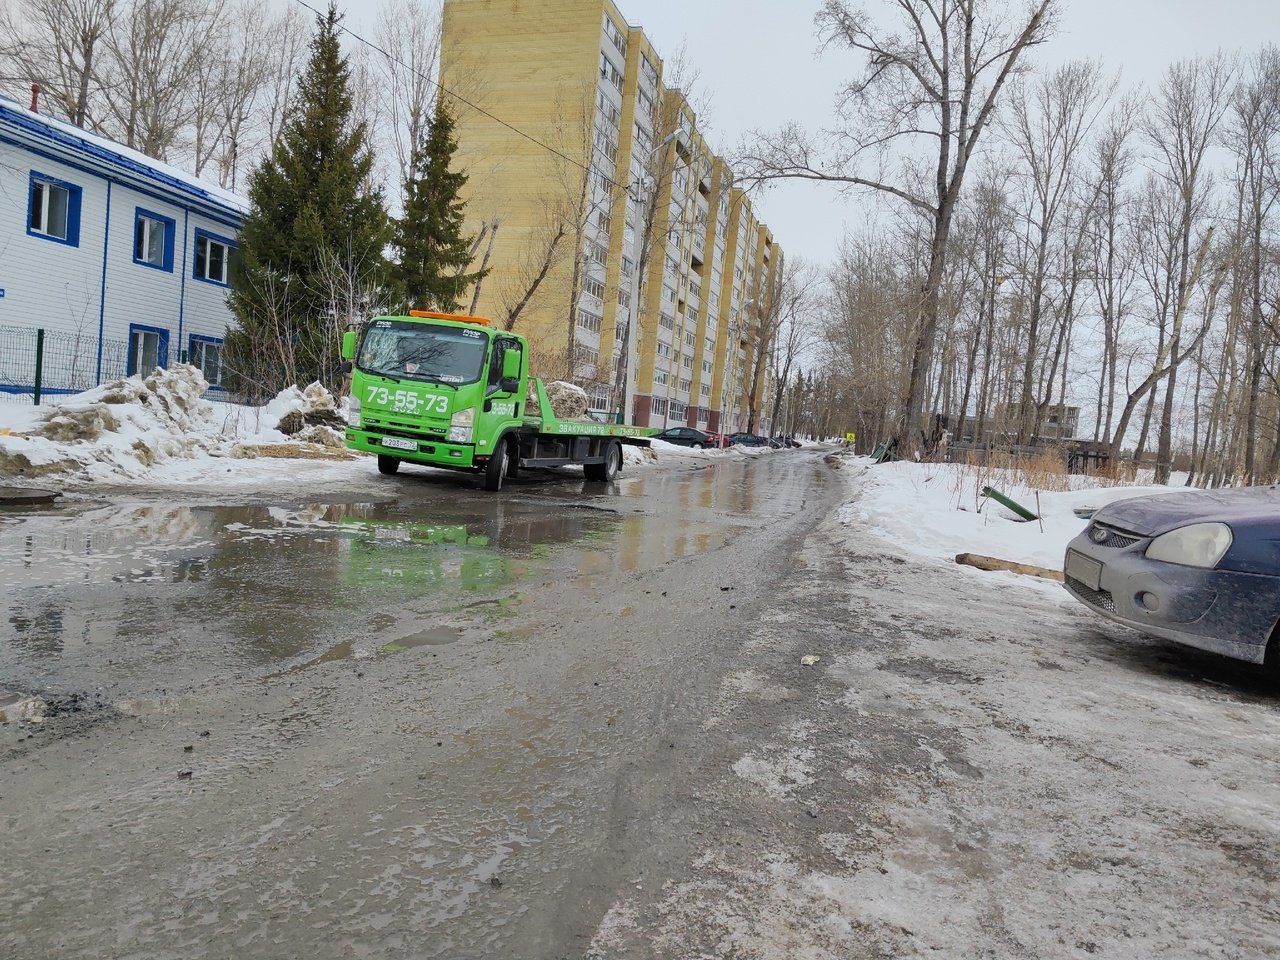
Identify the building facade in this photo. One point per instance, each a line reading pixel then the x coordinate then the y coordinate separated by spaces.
pixel 617 240
pixel 122 261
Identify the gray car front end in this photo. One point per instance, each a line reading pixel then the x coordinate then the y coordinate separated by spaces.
pixel 1198 568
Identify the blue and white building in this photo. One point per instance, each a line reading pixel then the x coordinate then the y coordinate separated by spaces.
pixel 122 260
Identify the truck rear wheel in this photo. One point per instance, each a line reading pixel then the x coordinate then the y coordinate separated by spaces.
pixel 604 472
pixel 388 465
pixel 496 470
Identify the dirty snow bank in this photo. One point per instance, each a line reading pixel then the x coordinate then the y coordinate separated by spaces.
pixel 128 429
pixel 937 510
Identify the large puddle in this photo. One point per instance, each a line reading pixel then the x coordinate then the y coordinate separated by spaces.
pixel 151 597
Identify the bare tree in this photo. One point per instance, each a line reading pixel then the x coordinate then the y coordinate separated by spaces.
pixel 155 55
pixel 796 333
pixel 1254 140
pixel 57 44
pixel 936 82
pixel 1184 123
pixel 1048 122
pixel 409 33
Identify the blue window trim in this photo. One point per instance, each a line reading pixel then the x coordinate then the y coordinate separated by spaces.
pixel 73 209
pixel 170 229
pixel 191 351
pixel 227 242
pixel 162 351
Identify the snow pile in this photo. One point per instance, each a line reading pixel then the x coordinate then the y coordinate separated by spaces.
pixel 309 415
pixel 735 452
pixel 123 427
pixel 638 456
pixel 938 511
pixel 127 429
pixel 568 401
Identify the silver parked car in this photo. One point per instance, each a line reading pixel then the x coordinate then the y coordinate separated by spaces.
pixel 1200 568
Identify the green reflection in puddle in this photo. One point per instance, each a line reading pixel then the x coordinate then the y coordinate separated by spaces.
pixel 391 555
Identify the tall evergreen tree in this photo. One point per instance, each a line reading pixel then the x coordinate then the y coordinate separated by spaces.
pixel 431 251
pixel 311 249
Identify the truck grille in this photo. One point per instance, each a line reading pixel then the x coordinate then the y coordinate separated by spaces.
pixel 1094 598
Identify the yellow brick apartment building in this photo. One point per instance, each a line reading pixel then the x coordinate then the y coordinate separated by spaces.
pixel 615 238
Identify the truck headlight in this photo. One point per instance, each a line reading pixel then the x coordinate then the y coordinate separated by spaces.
pixel 460 425
pixel 1199 545
pixel 353 411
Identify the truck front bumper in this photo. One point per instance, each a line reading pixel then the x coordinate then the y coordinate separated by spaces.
pixel 430 451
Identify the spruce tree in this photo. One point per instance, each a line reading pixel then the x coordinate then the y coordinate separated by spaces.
pixel 431 251
pixel 314 231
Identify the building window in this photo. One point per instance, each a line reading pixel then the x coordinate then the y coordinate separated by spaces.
pixel 660 378
pixel 53 210
pixel 148 349
pixel 206 354
pixel 685 385
pixel 213 258
pixel 153 240
pixel 589 321
pixel 659 406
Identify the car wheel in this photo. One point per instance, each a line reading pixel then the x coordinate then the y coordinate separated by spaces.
pixel 388 465
pixel 496 471
pixel 697 446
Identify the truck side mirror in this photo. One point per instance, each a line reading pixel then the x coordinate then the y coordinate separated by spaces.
pixel 509 384
pixel 349 345
pixel 511 368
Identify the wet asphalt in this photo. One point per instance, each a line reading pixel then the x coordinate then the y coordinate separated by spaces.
pixel 410 720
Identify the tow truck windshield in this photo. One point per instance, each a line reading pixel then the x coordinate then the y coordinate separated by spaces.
pixel 405 350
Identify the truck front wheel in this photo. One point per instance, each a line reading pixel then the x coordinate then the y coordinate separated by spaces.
pixel 388 465
pixel 496 470
pixel 607 471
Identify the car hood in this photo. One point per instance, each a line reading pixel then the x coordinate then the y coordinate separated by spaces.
pixel 1154 515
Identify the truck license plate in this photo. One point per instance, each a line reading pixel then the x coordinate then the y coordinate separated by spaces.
pixel 396 443
pixel 1084 569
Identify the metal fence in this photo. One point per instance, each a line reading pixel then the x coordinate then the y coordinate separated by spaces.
pixel 52 363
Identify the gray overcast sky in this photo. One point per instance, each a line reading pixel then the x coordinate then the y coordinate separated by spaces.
pixel 759 66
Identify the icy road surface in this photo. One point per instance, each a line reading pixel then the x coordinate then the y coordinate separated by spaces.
pixel 414 720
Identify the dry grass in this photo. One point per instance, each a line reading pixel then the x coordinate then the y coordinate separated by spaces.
pixel 1021 477
pixel 293 451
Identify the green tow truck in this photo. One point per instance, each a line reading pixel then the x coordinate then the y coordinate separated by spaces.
pixel 448 390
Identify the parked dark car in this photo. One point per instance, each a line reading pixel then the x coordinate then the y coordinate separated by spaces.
pixel 747 440
pixel 688 437
pixel 1199 568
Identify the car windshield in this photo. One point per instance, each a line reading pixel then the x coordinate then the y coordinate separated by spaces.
pixel 418 351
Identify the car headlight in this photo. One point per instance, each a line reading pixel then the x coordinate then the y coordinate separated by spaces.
pixel 1199 545
pixel 460 425
pixel 353 412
